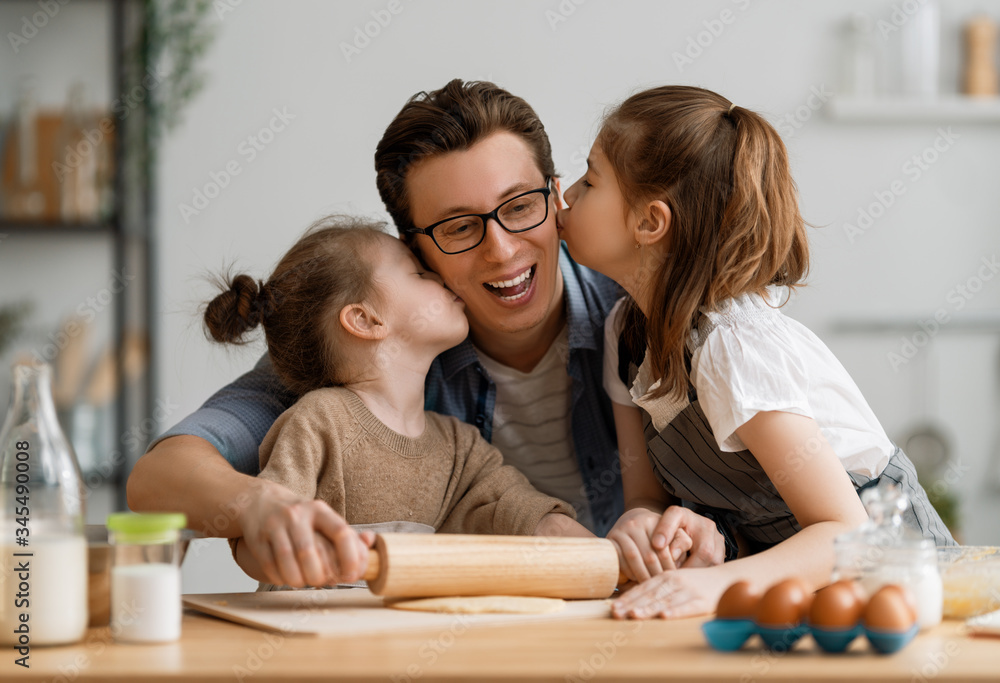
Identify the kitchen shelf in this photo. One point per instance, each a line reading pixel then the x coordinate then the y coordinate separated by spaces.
pixel 29 227
pixel 950 109
pixel 126 231
pixel 987 322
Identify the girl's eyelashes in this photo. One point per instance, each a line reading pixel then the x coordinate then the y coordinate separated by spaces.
pixel 585 182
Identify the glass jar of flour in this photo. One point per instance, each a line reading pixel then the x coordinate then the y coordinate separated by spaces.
pixel 145 576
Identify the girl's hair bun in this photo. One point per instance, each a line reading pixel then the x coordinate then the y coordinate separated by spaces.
pixel 240 308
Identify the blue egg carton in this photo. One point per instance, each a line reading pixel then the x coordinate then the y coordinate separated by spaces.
pixel 729 635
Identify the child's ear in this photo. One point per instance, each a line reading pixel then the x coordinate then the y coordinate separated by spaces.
pixel 361 321
pixel 655 224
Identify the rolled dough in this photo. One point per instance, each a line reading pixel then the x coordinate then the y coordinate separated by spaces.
pixel 482 604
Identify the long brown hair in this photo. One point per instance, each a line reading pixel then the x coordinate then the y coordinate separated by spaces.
pixel 329 267
pixel 735 222
pixel 452 118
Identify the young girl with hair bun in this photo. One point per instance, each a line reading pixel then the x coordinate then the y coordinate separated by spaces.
pixel 352 323
pixel 688 203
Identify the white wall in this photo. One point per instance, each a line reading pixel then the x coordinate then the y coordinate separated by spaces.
pixel 288 56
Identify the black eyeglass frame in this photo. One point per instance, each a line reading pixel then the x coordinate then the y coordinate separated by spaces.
pixel 485 218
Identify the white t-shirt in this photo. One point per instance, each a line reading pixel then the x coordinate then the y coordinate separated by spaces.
pixel 748 357
pixel 532 425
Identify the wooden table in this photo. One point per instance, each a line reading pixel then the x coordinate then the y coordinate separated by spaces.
pixel 216 650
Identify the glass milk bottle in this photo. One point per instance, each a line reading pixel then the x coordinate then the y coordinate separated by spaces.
pixel 145 576
pixel 43 550
pixel 884 550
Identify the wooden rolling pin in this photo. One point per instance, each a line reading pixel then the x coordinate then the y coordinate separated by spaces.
pixel 431 565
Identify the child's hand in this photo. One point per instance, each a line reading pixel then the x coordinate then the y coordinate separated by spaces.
pixel 703 545
pixel 638 558
pixel 672 594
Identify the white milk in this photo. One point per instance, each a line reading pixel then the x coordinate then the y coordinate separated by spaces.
pixel 57 579
pixel 146 603
pixel 924 582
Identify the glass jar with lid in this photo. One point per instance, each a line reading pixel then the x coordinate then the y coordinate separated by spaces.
pixel 884 551
pixel 145 576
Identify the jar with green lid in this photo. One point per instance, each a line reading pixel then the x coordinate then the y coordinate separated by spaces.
pixel 145 576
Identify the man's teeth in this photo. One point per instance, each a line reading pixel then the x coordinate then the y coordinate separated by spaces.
pixel 502 284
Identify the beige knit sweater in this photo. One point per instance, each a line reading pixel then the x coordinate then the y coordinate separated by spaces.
pixel 330 446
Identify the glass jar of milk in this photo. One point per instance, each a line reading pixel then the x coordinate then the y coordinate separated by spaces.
pixel 43 549
pixel 145 576
pixel 884 551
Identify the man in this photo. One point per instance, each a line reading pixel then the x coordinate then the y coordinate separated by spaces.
pixel 454 169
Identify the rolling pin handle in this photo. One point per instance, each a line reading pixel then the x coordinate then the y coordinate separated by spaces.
pixel 374 565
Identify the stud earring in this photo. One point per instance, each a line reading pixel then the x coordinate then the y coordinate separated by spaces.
pixel 638 246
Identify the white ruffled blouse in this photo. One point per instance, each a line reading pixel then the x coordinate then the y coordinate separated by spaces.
pixel 748 357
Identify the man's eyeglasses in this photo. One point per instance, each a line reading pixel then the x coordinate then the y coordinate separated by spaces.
pixel 518 214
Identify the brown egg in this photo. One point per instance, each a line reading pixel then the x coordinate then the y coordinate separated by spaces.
pixel 781 606
pixel 855 588
pixel 837 606
pixel 738 602
pixel 891 609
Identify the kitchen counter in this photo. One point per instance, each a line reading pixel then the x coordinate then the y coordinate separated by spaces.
pixel 215 650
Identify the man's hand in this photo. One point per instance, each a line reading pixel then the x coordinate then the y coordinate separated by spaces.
pixel 287 536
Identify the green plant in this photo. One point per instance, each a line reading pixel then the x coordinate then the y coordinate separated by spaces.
pixel 175 36
pixel 12 318
pixel 946 504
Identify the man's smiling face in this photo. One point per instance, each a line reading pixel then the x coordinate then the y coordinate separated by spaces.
pixel 511 282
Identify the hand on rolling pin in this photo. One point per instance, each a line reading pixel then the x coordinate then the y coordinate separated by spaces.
pixel 297 542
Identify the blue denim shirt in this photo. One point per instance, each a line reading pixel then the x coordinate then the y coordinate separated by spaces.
pixel 236 418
